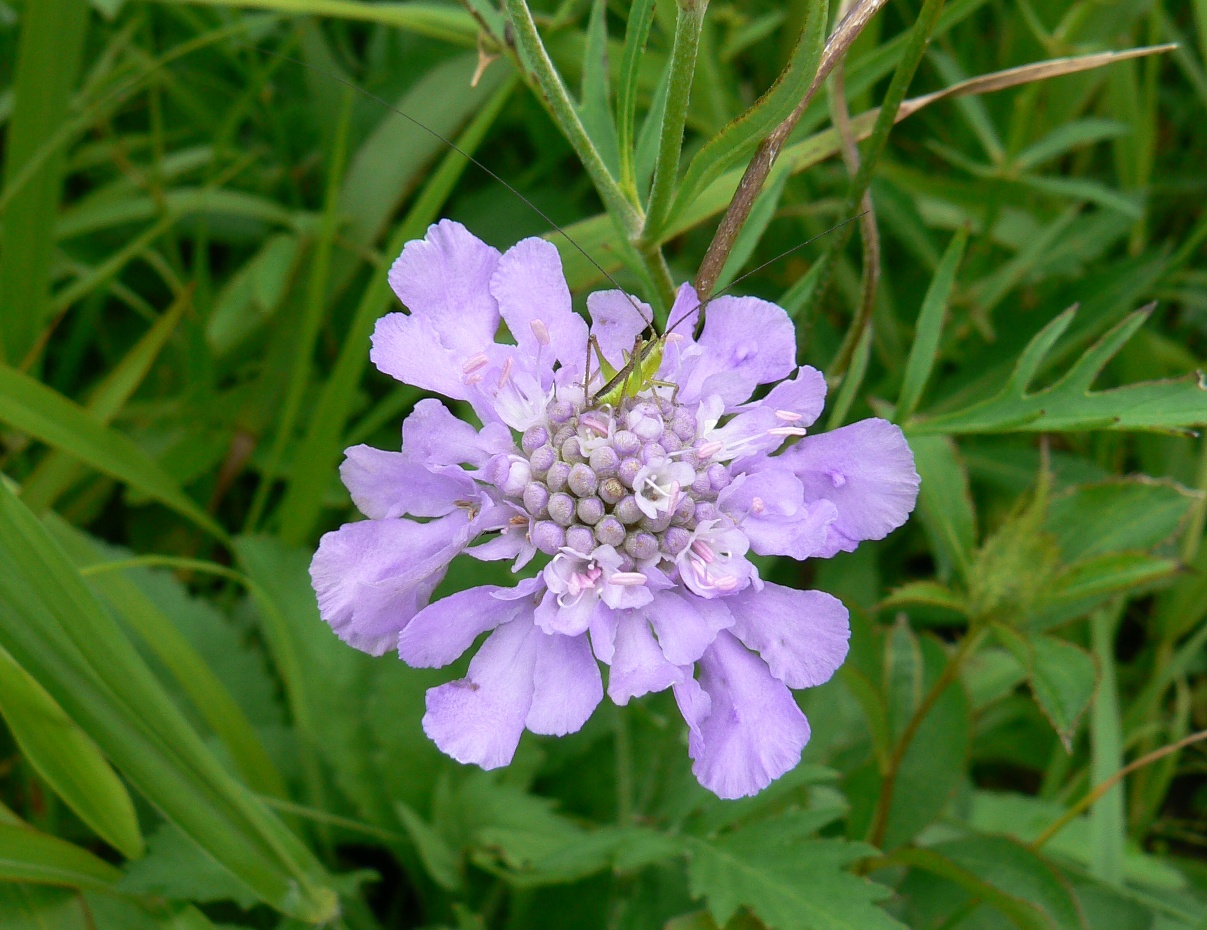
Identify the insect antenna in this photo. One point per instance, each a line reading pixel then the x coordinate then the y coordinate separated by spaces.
pixel 771 261
pixel 456 148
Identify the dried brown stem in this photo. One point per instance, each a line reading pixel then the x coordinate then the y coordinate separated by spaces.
pixel 764 157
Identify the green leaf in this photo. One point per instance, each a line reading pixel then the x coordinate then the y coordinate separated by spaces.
pixel 740 137
pixel 178 869
pixel 1063 677
pixel 945 502
pixel 619 849
pixel 637 31
pixel 1004 874
pixel 1025 818
pixel 1074 590
pixel 786 880
pixel 929 329
pixel 159 609
pixel 46 64
pixel 442 862
pixel 596 109
pixel 1117 515
pixel 1069 404
pixel 67 759
pixel 56 630
pixel 434 20
pixel 29 856
pixel 31 407
pixel 57 471
pixel 924 593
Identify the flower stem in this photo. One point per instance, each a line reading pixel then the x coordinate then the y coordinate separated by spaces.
pixel 688 24
pixel 624 771
pixel 561 107
pixel 759 168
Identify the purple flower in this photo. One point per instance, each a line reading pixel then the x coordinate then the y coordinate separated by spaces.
pixel 642 513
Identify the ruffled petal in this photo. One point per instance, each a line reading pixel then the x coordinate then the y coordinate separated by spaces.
pixel 410 349
pixel 479 719
pixel 444 280
pixel 746 342
pixel 532 294
pixel 616 321
pixel 801 635
pixel 568 686
pixel 442 631
pixel 385 485
pixel 769 507
pixel 686 625
pixel 867 471
pixel 372 577
pixel 754 732
pixel 638 665
pixel 432 436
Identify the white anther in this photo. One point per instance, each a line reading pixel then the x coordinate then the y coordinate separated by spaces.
pixel 541 331
pixel 788 416
pixel 628 579
pixel 787 431
pixel 506 373
pixel 757 505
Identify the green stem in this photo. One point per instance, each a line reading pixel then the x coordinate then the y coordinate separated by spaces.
pixel 951 671
pixel 1106 750
pixel 564 113
pixel 688 25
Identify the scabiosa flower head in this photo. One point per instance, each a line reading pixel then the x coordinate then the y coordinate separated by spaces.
pixel 641 512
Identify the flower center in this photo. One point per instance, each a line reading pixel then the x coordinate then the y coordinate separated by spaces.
pixel 636 477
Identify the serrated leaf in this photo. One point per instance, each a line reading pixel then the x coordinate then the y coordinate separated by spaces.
pixel 1069 404
pixel 1006 875
pixel 178 869
pixel 1085 583
pixel 623 849
pixel 787 881
pixel 1063 676
pixel 1117 515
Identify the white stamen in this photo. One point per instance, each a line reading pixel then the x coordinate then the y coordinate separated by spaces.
pixel 474 378
pixel 787 431
pixel 788 416
pixel 541 331
pixel 709 449
pixel 507 366
pixel 757 505
pixel 628 579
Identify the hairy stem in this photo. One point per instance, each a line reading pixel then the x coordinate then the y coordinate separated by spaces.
pixel 561 107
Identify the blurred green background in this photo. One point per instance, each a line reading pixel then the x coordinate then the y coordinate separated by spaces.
pixel 199 203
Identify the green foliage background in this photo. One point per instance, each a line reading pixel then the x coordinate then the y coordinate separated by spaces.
pixel 199 202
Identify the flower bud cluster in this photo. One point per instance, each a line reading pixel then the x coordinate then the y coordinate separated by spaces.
pixel 637 478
